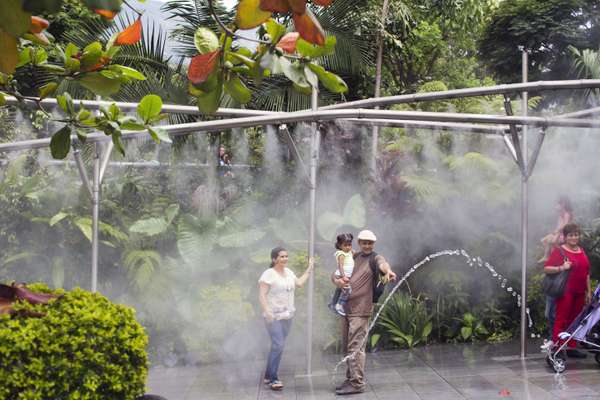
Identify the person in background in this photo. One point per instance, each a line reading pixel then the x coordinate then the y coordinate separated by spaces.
pixel 276 297
pixel 570 257
pixel 224 163
pixel 555 238
pixel 359 309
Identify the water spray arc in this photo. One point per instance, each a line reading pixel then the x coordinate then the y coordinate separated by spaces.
pixel 474 262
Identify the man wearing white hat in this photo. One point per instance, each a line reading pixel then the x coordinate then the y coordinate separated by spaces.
pixel 359 308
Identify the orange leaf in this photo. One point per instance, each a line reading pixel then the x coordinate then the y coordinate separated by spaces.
pixel 201 66
pixel 130 35
pixel 38 24
pixel 297 6
pixel 309 28
pixel 108 14
pixel 280 6
pixel 323 3
pixel 288 42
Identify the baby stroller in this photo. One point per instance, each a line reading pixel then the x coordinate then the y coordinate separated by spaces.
pixel 583 330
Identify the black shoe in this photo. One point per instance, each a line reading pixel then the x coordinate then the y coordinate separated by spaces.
pixel 349 389
pixel 574 353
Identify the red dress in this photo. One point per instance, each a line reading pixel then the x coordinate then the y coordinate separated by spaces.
pixel 573 299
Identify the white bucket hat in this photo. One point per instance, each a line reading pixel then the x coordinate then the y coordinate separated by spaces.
pixel 367 235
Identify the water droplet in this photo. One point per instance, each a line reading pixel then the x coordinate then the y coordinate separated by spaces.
pixel 509 289
pixel 494 274
pixel 464 253
pixel 514 294
pixel 503 285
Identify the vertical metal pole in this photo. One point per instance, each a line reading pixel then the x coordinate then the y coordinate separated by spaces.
pixel 95 217
pixel 314 161
pixel 378 68
pixel 524 210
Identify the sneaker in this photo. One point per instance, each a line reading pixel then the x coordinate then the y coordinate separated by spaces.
pixel 340 310
pixel 574 353
pixel 276 385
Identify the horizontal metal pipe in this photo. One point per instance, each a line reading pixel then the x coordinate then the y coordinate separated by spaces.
pixel 325 115
pixel 50 103
pixel 445 126
pixel 141 164
pixel 581 113
pixel 468 92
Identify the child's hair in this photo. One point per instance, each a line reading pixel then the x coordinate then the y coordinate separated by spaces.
pixel 343 238
pixel 571 228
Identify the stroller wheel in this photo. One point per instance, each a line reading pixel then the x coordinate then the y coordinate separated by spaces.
pixel 597 357
pixel 548 361
pixel 559 365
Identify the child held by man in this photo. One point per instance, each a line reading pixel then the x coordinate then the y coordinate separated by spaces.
pixel 344 258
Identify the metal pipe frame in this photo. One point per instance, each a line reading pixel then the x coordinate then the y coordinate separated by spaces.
pixel 315 144
pixel 468 92
pixel 524 204
pixel 140 164
pixel 324 115
pixel 95 218
pixel 82 172
pixel 51 103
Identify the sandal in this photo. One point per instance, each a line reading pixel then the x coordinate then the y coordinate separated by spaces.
pixel 276 385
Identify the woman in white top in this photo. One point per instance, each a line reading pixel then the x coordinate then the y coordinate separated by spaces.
pixel 276 296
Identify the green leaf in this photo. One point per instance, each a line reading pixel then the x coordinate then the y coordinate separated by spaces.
pixel 205 40
pixel 71 50
pixel 48 89
pixel 249 15
pixel 466 332
pixel 128 72
pixel 307 49
pixel 330 80
pixel 132 126
pixel 241 239
pixel 159 134
pixel 99 84
pixel 14 20
pixel 61 143
pixel 294 72
pixel 118 142
pixel 209 102
pixel 2 99
pixel 91 55
pixel 311 77
pixel 149 107
pixel 237 90
pixel 149 226
pixel 9 53
pixel 171 212
pixel 85 226
pixel 275 30
pixel 374 339
pixel 57 218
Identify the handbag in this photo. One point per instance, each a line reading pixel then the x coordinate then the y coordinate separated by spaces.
pixel 554 285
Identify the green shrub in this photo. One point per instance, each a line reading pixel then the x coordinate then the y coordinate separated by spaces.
pixel 404 322
pixel 85 347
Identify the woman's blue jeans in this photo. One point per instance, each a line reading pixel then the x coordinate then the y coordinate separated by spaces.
pixel 278 330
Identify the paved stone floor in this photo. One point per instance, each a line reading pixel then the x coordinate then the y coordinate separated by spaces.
pixel 440 372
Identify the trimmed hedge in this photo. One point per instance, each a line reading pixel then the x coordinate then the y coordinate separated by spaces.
pixel 85 347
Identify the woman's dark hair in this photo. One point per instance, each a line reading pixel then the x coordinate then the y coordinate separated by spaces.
pixel 343 238
pixel 565 203
pixel 274 254
pixel 570 228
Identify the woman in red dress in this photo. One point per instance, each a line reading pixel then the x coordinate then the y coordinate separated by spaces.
pixel 578 290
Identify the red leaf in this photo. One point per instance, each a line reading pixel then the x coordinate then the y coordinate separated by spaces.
pixel 288 42
pixel 280 6
pixel 38 25
pixel 108 14
pixel 130 35
pixel 309 28
pixel 323 3
pixel 297 6
pixel 201 66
